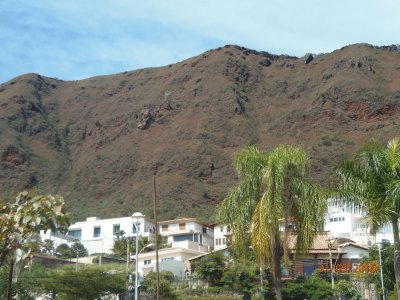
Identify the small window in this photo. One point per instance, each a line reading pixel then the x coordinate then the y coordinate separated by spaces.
pixel 76 233
pixel 164 228
pixel 204 229
pixel 147 262
pixel 330 219
pixel 224 241
pixel 182 226
pixel 96 231
pixel 116 229
pixel 167 258
pixel 221 228
pixel 335 219
pixel 343 219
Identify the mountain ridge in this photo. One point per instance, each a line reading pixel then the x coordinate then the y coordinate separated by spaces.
pixel 95 141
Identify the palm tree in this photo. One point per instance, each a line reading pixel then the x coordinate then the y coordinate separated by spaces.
pixel 371 181
pixel 273 186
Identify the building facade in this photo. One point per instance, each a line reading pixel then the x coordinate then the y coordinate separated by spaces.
pixel 98 235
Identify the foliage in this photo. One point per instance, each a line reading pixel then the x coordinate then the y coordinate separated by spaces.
pixel 64 251
pixel 21 220
pixel 211 267
pixel 241 277
pixel 120 244
pixel 47 247
pixel 86 283
pixel 78 249
pixel 346 291
pixel 167 291
pixel 274 186
pixel 313 288
pixel 371 181
pixel 387 254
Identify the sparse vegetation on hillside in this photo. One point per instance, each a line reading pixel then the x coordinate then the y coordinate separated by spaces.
pixel 96 141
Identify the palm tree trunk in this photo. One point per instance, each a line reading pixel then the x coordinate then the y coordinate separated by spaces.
pixel 395 226
pixel 276 266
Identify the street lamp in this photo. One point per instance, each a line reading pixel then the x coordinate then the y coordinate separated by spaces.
pixel 330 245
pixel 380 264
pixel 137 220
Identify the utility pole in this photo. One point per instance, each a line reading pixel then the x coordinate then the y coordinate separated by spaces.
pixel 330 244
pixel 77 260
pixel 156 221
pixel 380 264
pixel 127 268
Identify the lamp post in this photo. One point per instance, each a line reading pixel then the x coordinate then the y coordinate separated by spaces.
pixel 330 244
pixel 380 264
pixel 137 220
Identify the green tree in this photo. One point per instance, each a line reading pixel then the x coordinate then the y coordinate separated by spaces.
pixel 64 251
pixel 78 249
pixel 48 247
pixel 371 181
pixel 241 276
pixel 274 186
pixel 313 288
pixel 345 290
pixel 387 255
pixel 87 283
pixel 211 267
pixel 21 220
pixel 167 290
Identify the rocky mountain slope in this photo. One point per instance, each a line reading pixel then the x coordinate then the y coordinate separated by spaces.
pixel 96 141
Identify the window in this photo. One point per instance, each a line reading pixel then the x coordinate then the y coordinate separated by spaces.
pixel 185 237
pixel 147 262
pixel 116 229
pixel 167 258
pixel 221 228
pixel 204 229
pixel 331 219
pixel 182 226
pixel 334 219
pixel 77 233
pixel 224 241
pixel 164 228
pixel 218 242
pixel 96 231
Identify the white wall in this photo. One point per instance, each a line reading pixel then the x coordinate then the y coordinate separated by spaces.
pixel 105 241
pixel 191 228
pixel 220 237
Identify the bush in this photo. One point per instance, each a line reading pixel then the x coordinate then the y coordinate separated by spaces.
pixel 167 290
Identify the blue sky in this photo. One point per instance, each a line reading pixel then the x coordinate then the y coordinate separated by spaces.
pixel 71 39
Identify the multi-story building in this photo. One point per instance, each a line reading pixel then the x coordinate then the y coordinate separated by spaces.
pixel 221 234
pixel 98 235
pixel 348 221
pixel 188 229
pixel 186 238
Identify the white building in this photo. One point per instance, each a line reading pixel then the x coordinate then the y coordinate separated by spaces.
pixel 221 233
pixel 98 235
pixel 188 229
pixel 348 221
pixel 186 238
